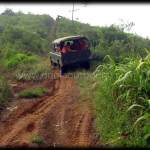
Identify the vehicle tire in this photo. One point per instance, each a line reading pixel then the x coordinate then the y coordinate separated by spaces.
pixel 62 70
pixel 52 64
pixel 59 65
pixel 55 64
pixel 87 65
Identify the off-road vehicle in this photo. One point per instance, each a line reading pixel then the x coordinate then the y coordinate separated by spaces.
pixel 81 57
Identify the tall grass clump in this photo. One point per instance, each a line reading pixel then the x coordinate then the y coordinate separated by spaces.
pixel 36 139
pixel 19 58
pixel 13 58
pixel 30 93
pixel 122 102
pixel 5 92
pixel 84 82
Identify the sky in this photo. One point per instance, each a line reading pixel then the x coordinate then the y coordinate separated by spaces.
pixel 95 14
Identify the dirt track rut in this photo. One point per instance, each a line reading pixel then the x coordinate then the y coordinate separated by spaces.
pixel 60 117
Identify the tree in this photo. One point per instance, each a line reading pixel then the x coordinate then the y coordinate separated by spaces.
pixel 8 12
pixel 125 26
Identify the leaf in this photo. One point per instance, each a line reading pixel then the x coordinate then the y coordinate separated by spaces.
pixel 148 74
pixel 123 78
pixel 134 105
pixel 145 116
pixel 146 136
pixel 148 101
pixel 111 61
pixel 147 52
pixel 139 66
pixel 97 69
pixel 148 55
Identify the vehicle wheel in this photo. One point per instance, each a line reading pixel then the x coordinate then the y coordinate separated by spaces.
pixel 62 70
pixel 55 64
pixel 52 64
pixel 87 65
pixel 59 65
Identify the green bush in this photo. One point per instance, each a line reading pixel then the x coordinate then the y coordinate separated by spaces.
pixel 19 58
pixel 9 53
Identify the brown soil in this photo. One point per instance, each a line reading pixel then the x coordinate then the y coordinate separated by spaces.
pixel 60 117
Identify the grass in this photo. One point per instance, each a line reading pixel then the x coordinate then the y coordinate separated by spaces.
pixel 30 93
pixel 5 92
pixel 18 59
pixel 35 71
pixel 121 100
pixel 84 82
pixel 36 139
pixel 120 94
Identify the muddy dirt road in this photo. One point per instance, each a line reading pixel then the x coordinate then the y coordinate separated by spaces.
pixel 60 117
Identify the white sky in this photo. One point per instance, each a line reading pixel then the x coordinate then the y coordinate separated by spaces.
pixel 98 14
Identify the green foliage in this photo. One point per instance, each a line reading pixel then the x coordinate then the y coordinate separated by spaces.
pixel 122 94
pixel 5 92
pixel 8 53
pixel 118 44
pixel 30 93
pixel 21 40
pixel 125 26
pixel 84 81
pixel 36 139
pixel 103 41
pixel 18 59
pixel 65 27
pixel 8 12
pixel 25 33
pixel 28 33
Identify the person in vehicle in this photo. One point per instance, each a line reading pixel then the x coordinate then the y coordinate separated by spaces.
pixel 61 45
pixel 66 48
pixel 58 47
pixel 80 45
pixel 84 45
pixel 73 46
pixel 76 45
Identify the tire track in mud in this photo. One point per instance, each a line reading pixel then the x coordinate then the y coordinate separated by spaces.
pixel 82 134
pixel 62 119
pixel 15 126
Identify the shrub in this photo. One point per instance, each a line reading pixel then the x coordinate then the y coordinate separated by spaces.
pixel 29 59
pixel 18 59
pixel 9 52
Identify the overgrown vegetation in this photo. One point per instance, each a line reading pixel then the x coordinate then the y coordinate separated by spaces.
pixel 5 92
pixel 30 93
pixel 24 38
pixel 121 93
pixel 18 59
